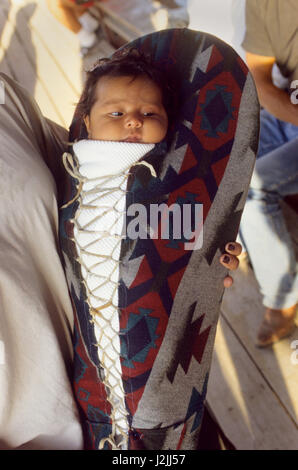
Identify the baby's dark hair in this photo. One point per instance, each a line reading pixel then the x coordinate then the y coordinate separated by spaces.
pixel 129 62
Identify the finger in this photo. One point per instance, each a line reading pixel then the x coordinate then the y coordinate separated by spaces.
pixel 234 248
pixel 229 261
pixel 228 281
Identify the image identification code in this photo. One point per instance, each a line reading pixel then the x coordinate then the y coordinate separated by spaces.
pixel 156 460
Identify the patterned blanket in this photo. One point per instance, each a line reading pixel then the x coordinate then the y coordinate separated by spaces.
pixel 169 295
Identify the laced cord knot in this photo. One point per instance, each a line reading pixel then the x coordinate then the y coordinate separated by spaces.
pixel 148 165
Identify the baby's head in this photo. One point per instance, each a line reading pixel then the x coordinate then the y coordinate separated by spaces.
pixel 126 99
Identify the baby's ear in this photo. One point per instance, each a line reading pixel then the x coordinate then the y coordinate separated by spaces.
pixel 87 123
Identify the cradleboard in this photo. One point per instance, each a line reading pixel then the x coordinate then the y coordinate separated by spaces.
pixel 169 289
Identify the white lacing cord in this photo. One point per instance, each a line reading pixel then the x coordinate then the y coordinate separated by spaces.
pixel 106 310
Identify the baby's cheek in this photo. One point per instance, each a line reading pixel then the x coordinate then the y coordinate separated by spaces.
pixel 158 131
pixel 106 131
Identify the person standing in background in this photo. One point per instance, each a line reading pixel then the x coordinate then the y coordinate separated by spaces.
pixel 271 40
pixel 170 14
pixel 74 15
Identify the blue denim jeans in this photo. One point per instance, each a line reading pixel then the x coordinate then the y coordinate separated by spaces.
pixel 263 231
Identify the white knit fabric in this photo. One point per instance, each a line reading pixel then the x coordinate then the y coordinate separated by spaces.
pixel 103 168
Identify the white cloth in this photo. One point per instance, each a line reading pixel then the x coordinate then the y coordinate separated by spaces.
pixel 98 225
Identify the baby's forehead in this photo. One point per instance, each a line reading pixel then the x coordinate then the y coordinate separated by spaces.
pixel 126 80
pixel 111 87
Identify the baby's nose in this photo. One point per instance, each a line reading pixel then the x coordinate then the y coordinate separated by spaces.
pixel 134 121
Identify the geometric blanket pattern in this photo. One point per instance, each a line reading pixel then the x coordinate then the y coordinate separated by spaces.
pixel 169 296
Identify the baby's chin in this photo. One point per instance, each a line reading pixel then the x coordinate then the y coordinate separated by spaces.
pixel 128 141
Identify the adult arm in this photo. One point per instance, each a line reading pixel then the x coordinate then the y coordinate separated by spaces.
pixel 272 98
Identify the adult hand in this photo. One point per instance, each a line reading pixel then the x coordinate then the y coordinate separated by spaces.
pixel 229 260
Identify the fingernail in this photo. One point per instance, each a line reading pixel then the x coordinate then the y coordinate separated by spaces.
pixel 231 247
pixel 226 259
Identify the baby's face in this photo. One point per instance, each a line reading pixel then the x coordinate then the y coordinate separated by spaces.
pixel 127 109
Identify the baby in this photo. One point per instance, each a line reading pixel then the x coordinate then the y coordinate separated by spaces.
pixel 127 99
pixel 127 107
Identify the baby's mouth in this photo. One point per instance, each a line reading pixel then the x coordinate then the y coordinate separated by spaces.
pixel 133 138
